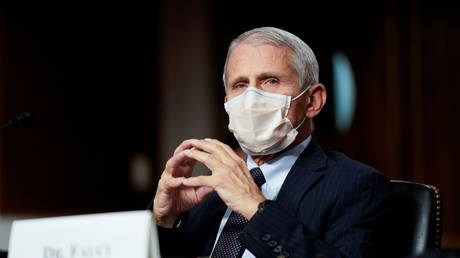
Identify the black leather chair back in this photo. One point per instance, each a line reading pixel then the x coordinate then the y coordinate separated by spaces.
pixel 417 219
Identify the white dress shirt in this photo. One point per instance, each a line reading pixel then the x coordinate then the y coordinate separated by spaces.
pixel 275 172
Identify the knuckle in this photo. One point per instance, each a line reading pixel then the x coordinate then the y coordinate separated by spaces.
pixel 181 145
pixel 221 147
pixel 218 180
pixel 227 168
pixel 209 158
pixel 163 183
pixel 234 166
pixel 168 163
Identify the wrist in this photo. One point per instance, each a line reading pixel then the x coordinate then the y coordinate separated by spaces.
pixel 250 207
pixel 261 207
pixel 165 221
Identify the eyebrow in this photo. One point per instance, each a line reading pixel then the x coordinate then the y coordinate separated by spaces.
pixel 267 75
pixel 238 79
pixel 259 76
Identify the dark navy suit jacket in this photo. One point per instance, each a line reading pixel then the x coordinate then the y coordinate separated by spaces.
pixel 328 206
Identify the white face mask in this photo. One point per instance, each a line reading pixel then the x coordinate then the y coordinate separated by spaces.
pixel 258 121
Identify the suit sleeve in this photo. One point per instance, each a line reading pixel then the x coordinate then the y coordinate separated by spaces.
pixel 355 228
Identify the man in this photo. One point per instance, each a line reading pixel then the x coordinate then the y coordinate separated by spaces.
pixel 290 198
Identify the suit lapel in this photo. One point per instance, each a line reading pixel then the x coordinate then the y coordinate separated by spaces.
pixel 304 173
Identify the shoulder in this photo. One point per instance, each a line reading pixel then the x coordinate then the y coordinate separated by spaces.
pixel 341 167
pixel 343 160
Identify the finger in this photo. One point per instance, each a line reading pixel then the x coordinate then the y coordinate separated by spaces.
pixel 187 144
pixel 172 182
pixel 227 148
pixel 207 159
pixel 176 160
pixel 230 154
pixel 177 164
pixel 199 181
pixel 210 147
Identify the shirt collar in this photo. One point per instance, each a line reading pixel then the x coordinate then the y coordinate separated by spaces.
pixel 276 170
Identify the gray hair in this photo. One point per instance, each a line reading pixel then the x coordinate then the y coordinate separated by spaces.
pixel 303 59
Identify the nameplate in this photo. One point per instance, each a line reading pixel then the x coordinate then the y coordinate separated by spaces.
pixel 129 234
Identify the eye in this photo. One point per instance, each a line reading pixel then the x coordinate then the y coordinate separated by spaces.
pixel 239 85
pixel 271 82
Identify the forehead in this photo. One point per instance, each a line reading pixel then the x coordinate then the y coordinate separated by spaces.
pixel 248 58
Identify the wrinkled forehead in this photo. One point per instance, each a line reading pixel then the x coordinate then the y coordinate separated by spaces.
pixel 249 57
pixel 257 43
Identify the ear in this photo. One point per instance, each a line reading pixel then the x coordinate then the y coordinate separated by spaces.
pixel 225 98
pixel 317 99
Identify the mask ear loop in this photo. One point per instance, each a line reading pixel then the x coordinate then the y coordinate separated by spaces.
pixel 300 95
pixel 296 97
pixel 301 123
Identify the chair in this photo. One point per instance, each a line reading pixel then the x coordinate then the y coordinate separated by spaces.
pixel 416 219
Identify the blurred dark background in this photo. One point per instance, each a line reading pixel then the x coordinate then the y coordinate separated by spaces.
pixel 116 86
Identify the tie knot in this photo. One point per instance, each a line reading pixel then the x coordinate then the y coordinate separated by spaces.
pixel 258 176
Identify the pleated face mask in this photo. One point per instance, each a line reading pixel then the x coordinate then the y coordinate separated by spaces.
pixel 259 122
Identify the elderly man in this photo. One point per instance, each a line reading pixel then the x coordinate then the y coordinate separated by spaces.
pixel 290 198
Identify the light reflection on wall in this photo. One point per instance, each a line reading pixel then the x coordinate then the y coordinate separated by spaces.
pixel 344 92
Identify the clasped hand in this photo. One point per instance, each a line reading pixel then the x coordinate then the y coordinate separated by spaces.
pixel 178 191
